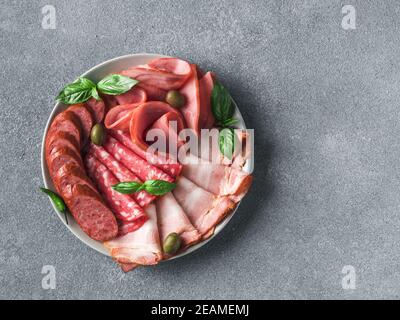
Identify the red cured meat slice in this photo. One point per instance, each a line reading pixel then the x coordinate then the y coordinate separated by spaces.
pixel 204 209
pixel 98 109
pixel 191 110
pixel 140 167
pixel 127 227
pixel 85 117
pixel 65 122
pixel 153 93
pixel 145 115
pixel 165 73
pixel 170 166
pixel 92 215
pixel 171 132
pixel 171 218
pixel 216 178
pixel 206 85
pixel 119 117
pixel 123 206
pixel 60 139
pixel 122 173
pixel 60 157
pixel 69 175
pixel 139 247
pixel 135 95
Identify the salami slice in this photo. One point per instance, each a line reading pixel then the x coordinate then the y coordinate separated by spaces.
pixel 169 166
pixel 122 173
pixel 97 108
pixel 86 119
pixel 62 138
pixel 92 215
pixel 124 207
pixel 65 122
pixel 140 167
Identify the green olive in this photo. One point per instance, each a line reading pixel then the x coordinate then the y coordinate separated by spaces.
pixel 97 134
pixel 172 243
pixel 175 99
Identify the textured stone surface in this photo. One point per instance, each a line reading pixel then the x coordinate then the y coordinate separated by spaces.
pixel 324 103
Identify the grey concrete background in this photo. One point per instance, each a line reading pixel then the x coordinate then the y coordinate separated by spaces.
pixel 324 103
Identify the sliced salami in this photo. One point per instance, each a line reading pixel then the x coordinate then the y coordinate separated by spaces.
pixel 123 206
pixel 86 119
pixel 91 213
pixel 122 173
pixel 98 109
pixel 169 166
pixel 140 167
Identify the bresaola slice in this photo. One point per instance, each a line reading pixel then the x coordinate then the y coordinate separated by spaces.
pixel 122 173
pixel 171 218
pixel 204 209
pixel 169 166
pixel 140 247
pixel 140 167
pixel 124 207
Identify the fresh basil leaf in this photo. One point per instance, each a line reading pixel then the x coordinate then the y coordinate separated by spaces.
pixel 221 103
pixel 116 84
pixel 158 187
pixel 227 142
pixel 229 122
pixel 128 187
pixel 77 92
pixel 95 94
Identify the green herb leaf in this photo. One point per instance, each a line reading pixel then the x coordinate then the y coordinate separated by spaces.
pixel 95 94
pixel 158 187
pixel 77 92
pixel 116 84
pixel 227 142
pixel 221 103
pixel 154 187
pixel 58 202
pixel 128 187
pixel 229 122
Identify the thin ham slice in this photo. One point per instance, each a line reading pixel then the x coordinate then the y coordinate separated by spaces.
pixel 123 206
pixel 135 95
pixel 165 73
pixel 169 165
pixel 140 247
pixel 206 85
pixel 140 167
pixel 216 178
pixel 122 173
pixel 119 117
pixel 172 133
pixel 191 109
pixel 145 115
pixel 204 209
pixel 172 218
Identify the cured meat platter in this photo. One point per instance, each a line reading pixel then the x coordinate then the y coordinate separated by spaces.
pixel 139 205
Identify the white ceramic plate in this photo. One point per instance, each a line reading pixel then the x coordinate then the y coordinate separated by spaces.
pixel 96 74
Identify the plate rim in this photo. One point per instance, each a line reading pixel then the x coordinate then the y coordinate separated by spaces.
pixel 59 107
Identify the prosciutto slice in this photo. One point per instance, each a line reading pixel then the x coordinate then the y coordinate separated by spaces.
pixel 172 132
pixel 122 173
pixel 123 206
pixel 216 178
pixel 169 165
pixel 172 218
pixel 140 247
pixel 140 167
pixel 204 209
pixel 191 109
